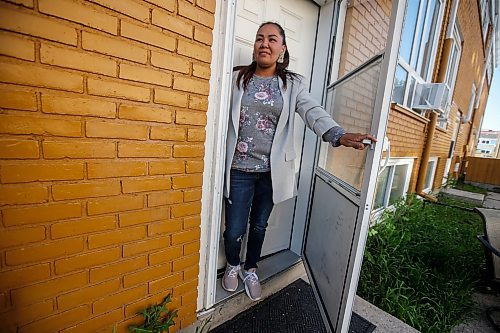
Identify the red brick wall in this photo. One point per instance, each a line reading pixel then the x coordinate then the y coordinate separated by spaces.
pixel 470 69
pixel 406 131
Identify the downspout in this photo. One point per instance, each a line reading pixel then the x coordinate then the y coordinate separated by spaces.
pixel 425 159
pixel 447 44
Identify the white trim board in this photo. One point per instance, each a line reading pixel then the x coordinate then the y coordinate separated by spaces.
pixel 216 129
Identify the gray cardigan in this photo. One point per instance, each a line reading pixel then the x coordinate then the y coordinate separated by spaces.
pixel 296 98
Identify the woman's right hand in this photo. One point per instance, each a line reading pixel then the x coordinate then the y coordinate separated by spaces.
pixel 355 140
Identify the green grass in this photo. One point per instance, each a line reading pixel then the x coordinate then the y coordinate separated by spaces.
pixel 422 264
pixel 459 185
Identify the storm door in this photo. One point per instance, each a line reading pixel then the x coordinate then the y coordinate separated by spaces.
pixel 344 179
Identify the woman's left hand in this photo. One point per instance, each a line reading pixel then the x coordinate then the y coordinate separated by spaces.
pixel 355 140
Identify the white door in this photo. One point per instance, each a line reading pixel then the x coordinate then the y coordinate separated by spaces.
pixel 344 179
pixel 299 18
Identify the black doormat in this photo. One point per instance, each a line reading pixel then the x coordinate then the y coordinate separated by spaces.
pixel 291 310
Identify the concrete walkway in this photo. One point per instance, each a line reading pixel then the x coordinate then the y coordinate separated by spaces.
pixel 384 321
pixel 479 323
pixel 492 200
pixel 473 198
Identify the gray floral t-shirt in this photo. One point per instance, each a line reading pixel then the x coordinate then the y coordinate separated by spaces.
pixel 261 107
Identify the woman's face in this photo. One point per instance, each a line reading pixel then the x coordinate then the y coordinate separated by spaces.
pixel 268 46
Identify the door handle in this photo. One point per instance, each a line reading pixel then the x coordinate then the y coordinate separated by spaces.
pixel 368 142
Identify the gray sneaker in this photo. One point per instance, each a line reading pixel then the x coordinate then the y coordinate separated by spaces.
pixel 252 284
pixel 230 279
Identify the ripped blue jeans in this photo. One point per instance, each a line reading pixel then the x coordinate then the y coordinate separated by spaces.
pixel 251 195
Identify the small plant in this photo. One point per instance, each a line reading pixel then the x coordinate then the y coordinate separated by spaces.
pixel 204 327
pixel 157 318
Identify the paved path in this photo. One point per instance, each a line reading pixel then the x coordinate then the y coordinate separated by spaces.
pixel 479 323
pixel 474 198
pixel 385 322
pixel 491 218
pixel 492 200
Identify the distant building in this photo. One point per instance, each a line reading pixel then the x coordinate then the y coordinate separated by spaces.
pixel 488 144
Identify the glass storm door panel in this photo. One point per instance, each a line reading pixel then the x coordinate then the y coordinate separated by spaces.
pixel 345 179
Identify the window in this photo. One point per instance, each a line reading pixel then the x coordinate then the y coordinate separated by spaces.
pixel 429 175
pixel 487 71
pixel 485 16
pixel 452 69
pixel 472 102
pixel 418 48
pixel 392 182
pixel 399 85
pixel 490 67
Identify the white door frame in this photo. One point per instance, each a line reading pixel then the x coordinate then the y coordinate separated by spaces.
pixel 216 129
pixel 215 152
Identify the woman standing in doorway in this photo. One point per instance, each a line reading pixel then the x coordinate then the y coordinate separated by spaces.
pixel 260 170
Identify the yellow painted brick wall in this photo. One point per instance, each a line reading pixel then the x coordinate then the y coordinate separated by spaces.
pixel 103 107
pixel 365 32
pixel 364 36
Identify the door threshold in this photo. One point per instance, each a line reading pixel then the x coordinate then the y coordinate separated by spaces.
pixel 268 268
pixel 274 279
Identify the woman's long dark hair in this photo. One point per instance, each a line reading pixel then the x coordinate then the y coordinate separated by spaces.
pixel 246 72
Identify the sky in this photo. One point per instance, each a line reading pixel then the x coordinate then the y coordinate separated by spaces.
pixel 491 119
